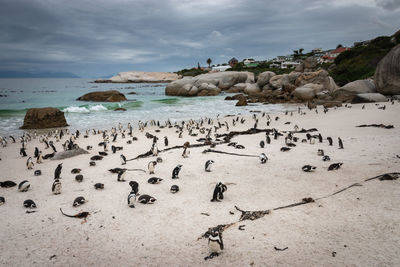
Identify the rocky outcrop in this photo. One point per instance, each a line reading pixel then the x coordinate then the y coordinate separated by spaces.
pixel 264 77
pixel 308 91
pixel 318 77
pixel 308 65
pixel 69 154
pixel 368 98
pixel 387 73
pixel 208 84
pixel 347 92
pixel 103 96
pixel 41 118
pixel 275 81
pixel 242 101
pixel 141 77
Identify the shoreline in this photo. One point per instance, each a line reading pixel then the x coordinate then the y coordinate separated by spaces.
pixel 351 223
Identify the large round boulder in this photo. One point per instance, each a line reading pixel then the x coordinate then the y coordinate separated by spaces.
pixel 252 88
pixel 264 77
pixel 41 118
pixel 369 98
pixel 103 96
pixel 275 81
pixel 347 92
pixel 387 73
pixel 308 91
pixel 242 101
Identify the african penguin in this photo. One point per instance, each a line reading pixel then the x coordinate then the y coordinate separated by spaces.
pixel 2 200
pixel 215 243
pixel 7 184
pixel 174 189
pixel 121 175
pixel 151 166
pixel 308 168
pixel 320 152
pixel 146 199
pixel 76 170
pixel 56 187
pixel 219 190
pixel 334 166
pixel 98 186
pixel 326 158
pixel 175 172
pixel 262 144
pixel 24 186
pixel 123 159
pixel 154 180
pixel 78 201
pixel 29 203
pixel 29 163
pixel 340 143
pixel 263 158
pixel 57 172
pixel 208 165
pixel 79 178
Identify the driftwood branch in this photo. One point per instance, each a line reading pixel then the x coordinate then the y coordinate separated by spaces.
pixel 228 153
pixel 377 126
pixel 252 215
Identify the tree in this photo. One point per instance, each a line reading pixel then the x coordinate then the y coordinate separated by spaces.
pixel 339 46
pixel 198 65
pixel 209 62
pixel 301 51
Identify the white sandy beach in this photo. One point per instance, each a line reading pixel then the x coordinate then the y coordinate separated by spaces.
pixel 361 225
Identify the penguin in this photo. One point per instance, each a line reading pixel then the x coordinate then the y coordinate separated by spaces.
pixel 154 180
pixel 263 158
pixel 57 172
pixel 56 187
pixel 101 153
pixel 334 166
pixel 165 141
pixel 219 190
pixel 36 153
pixel 121 175
pixel 89 147
pixel 208 165
pixel 175 172
pixel 78 201
pixel 96 157
pixel 29 203
pixel 79 178
pixel 76 170
pixel 48 156
pixel 329 140
pixel 7 184
pixel 2 200
pixel 284 149
pixel 154 149
pixel 326 158
pixel 320 138
pixel 123 159
pixel 262 144
pixel 146 199
pixel 215 243
pixel 151 166
pixel 29 163
pixel 37 172
pixel 39 158
pixel 92 163
pixel 185 153
pixel 159 160
pixel 98 186
pixel 134 186
pixel 24 186
pixel 174 189
pixel 340 143
pixel 320 152
pixel 132 199
pixel 115 170
pixel 268 139
pixel 308 168
pixel 22 152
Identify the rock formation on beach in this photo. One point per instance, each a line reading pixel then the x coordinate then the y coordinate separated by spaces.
pixel 387 74
pixel 141 77
pixel 103 96
pixel 40 118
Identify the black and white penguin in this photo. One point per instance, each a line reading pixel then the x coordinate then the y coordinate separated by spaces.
pixel 132 199
pixel 186 152
pixel 76 170
pixel 262 144
pixel 263 158
pixel 56 187
pixel 98 186
pixel 39 158
pixel 320 152
pixel 79 178
pixel 29 203
pixel 24 186
pixel 92 163
pixel 340 143
pixel 7 184
pixel 134 186
pixel 175 171
pixel 154 149
pixel 89 147
pixel 151 166
pixel 2 200
pixel 102 153
pixel 146 199
pixel 123 159
pixel 159 160
pixel 79 201
pixel 174 189
pixel 284 149
pixel 334 166
pixel 208 165
pixel 29 163
pixel 36 153
pixel 121 175
pixel 96 157
pixel 57 172
pixel 218 193
pixel 215 243
pixel 326 158
pixel 308 168
pixel 329 140
pixel 154 180
pixel 165 141
pixel 268 139
pixel 22 152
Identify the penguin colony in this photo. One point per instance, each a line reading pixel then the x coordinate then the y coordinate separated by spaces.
pixel 206 127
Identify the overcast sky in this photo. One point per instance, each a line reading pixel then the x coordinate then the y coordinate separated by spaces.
pixel 94 38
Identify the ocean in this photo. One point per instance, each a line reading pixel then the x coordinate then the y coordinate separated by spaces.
pixel 149 102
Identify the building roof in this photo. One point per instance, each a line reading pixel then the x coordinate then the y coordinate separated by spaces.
pixel 340 50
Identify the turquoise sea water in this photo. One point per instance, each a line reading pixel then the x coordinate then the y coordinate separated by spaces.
pixel 149 102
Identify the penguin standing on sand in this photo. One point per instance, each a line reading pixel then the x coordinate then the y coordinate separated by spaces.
pixel 175 172
pixel 123 159
pixel 329 140
pixel 262 144
pixel 208 165
pixel 39 158
pixel 334 166
pixel 219 190
pixel 263 158
pixel 22 152
pixel 215 244
pixel 121 175
pixel 36 153
pixel 340 143
pixel 151 166
pixel 185 152
pixel 57 172
pixel 132 195
pixel 56 187
pixel 29 163
pixel 165 141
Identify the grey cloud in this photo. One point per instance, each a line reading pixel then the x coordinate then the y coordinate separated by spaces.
pixel 388 4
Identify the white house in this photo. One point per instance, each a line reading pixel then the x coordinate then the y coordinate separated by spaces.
pixel 247 61
pixel 220 68
pixel 289 64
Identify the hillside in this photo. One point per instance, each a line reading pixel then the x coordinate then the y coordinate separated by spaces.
pixel 360 62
